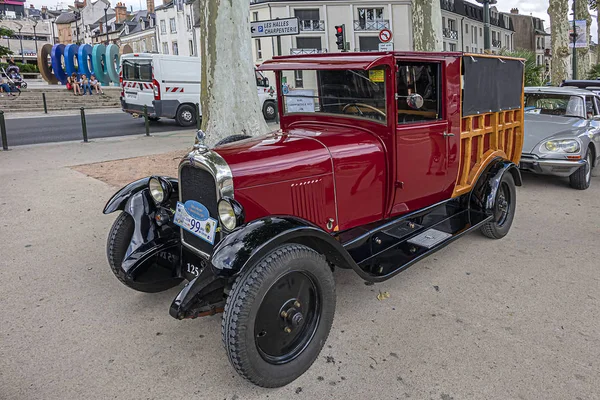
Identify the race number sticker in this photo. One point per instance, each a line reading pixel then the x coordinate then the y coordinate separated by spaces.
pixel 194 217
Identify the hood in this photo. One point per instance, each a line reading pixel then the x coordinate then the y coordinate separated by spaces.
pixel 275 158
pixel 540 127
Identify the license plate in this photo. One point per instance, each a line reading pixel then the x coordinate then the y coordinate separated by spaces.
pixel 131 96
pixel 195 218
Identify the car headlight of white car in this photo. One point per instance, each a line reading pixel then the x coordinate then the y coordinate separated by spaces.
pixel 561 146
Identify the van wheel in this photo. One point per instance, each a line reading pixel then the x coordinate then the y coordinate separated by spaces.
pixel 186 115
pixel 269 110
pixel 504 209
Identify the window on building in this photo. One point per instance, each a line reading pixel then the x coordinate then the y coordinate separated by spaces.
pixel 467 49
pixel 191 43
pixel 175 49
pixel 163 27
pixel 255 16
pixel 309 19
pixel 368 43
pixel 370 18
pixel 480 31
pixel 443 22
pixel 451 24
pixel 165 48
pixel 467 28
pixel 189 22
pixel 258 49
pixel 452 46
pixel 153 43
pixel 298 79
pixel 474 35
pixel 308 43
pixel 444 46
pixel 172 25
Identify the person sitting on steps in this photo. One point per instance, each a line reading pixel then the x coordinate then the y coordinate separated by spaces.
pixel 5 87
pixel 96 85
pixel 73 84
pixel 85 83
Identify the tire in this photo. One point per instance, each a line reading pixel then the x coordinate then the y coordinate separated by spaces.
pixel 231 139
pixel 504 209
pixel 255 297
pixel 269 110
pixel 186 115
pixel 582 178
pixel 118 241
pixel 24 85
pixel 153 119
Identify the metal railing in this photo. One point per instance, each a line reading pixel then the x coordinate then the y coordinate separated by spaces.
pixel 371 25
pixel 312 25
pixel 295 52
pixel 450 34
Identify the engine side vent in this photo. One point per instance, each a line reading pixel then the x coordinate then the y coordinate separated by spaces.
pixel 308 200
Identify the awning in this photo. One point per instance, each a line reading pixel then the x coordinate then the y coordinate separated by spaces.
pixel 328 61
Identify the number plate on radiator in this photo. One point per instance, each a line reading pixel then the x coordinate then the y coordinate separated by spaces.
pixel 194 218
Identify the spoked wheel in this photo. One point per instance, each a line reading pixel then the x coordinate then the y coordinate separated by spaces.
pixel 278 315
pixel 504 209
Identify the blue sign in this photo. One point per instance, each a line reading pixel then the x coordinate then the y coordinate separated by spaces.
pixel 196 210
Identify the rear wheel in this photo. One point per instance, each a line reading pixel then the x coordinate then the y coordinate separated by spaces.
pixel 153 119
pixel 278 315
pixel 504 209
pixel 186 115
pixel 582 178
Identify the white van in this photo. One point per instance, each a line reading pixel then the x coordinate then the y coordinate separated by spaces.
pixel 170 87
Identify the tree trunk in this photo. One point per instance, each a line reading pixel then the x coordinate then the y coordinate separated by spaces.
pixel 598 32
pixel 583 54
pixel 229 98
pixel 427 25
pixel 559 25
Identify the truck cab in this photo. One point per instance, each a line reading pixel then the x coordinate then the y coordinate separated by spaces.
pixel 381 159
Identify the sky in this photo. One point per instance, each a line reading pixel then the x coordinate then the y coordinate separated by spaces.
pixel 537 8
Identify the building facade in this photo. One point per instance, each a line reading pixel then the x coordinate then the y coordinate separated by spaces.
pixel 31 34
pixel 175 33
pixel 462 28
pixel 530 35
pixel 140 34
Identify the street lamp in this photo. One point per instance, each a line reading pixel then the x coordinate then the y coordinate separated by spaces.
pixel 35 37
pixel 106 24
pixel 574 37
pixel 76 26
pixel 487 40
pixel 21 41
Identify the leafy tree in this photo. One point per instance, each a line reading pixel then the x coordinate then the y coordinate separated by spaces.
pixel 594 72
pixel 533 72
pixel 5 32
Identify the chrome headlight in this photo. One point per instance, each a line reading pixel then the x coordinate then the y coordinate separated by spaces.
pixel 160 189
pixel 231 213
pixel 561 146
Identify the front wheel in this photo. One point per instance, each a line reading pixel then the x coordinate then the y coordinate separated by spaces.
pixel 278 315
pixel 186 115
pixel 582 178
pixel 504 209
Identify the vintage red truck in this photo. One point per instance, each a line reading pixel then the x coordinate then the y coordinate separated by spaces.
pixel 381 160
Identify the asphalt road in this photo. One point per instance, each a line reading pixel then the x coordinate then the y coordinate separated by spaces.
pixel 482 319
pixel 23 131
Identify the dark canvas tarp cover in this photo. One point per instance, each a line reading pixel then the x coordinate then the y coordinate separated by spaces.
pixel 491 85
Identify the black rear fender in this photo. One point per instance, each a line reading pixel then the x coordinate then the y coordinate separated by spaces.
pixel 483 195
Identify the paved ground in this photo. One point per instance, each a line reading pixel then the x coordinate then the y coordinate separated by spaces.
pixel 517 318
pixel 23 131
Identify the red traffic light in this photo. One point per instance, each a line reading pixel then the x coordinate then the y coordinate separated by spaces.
pixel 339 29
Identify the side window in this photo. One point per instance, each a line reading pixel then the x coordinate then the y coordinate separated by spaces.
pixel 418 79
pixel 590 107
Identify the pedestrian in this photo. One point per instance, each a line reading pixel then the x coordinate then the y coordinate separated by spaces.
pixel 85 84
pixel 75 84
pixel 5 87
pixel 96 85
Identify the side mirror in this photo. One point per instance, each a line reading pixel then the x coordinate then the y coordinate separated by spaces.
pixel 415 101
pixel 266 82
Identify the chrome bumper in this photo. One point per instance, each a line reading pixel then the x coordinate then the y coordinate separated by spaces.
pixel 544 166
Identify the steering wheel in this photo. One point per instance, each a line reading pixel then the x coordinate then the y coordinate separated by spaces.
pixel 358 105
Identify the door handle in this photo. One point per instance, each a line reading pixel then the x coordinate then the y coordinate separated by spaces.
pixel 446 134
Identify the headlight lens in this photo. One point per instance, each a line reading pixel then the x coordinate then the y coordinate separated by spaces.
pixel 157 190
pixel 562 146
pixel 227 215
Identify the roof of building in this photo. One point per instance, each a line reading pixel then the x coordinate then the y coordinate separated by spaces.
pixel 475 12
pixel 65 18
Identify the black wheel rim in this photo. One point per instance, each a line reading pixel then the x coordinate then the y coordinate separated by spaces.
pixel 287 318
pixel 503 204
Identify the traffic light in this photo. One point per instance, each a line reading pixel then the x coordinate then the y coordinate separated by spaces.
pixel 340 37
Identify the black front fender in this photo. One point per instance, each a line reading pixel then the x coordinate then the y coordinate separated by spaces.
pixel 483 196
pixel 251 242
pixel 119 199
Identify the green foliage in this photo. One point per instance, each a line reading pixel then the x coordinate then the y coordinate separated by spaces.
pixel 533 72
pixel 594 72
pixel 24 68
pixel 5 32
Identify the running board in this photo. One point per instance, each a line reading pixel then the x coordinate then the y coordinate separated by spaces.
pixel 397 248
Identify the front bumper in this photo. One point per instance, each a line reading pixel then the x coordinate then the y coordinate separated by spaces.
pixel 544 166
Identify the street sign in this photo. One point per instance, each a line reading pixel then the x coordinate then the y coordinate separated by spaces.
pixel 275 27
pixel 385 35
pixel 389 46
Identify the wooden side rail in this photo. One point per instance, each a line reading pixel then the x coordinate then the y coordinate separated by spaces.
pixel 484 137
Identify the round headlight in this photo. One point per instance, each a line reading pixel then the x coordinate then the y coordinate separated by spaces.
pixel 157 190
pixel 227 215
pixel 552 146
pixel 569 146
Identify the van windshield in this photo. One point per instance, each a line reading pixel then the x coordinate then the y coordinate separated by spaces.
pixel 137 70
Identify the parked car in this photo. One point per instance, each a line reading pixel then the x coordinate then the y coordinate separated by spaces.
pixel 381 160
pixel 562 133
pixel 169 86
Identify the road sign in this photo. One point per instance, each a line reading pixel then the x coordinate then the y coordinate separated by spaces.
pixel 389 46
pixel 275 27
pixel 385 35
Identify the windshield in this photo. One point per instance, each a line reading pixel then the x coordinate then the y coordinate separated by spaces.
pixel 137 70
pixel 563 105
pixel 353 93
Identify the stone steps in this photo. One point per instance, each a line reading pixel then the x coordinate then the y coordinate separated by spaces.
pixel 57 99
